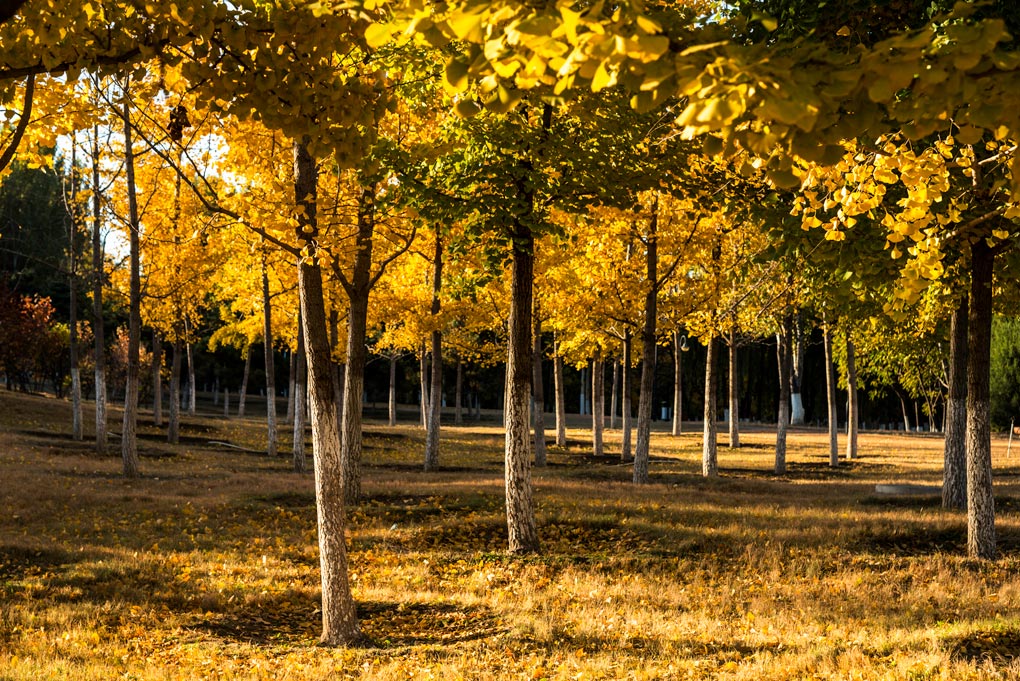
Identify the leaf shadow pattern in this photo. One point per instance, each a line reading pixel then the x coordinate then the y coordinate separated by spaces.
pixel 1000 646
pixel 426 623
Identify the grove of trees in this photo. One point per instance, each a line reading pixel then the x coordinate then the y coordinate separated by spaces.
pixel 474 188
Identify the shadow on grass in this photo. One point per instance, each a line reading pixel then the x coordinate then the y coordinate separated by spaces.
pixel 1001 647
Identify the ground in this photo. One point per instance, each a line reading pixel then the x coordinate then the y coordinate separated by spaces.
pixel 207 567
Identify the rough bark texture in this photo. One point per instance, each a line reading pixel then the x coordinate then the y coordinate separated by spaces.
pixel 734 392
pixel 598 414
pixel 980 504
pixel 423 385
pixel 852 402
pixel 173 434
pixel 97 300
pixel 392 403
pixel 129 439
pixel 339 620
pixel 267 335
pixel 561 402
pixel 300 390
pixel 358 288
pixel 243 392
pixel 538 391
pixel 678 394
pixel 709 442
pixel 626 422
pixel 436 383
pixel 954 472
pixel 157 379
pixel 520 510
pixel 644 429
pixel 830 391
pixel 784 355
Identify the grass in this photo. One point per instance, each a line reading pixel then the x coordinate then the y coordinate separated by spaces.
pixel 207 566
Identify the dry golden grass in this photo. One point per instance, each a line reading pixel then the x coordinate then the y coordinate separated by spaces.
pixel 207 566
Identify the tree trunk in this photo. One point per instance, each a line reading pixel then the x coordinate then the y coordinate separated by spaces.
pixel 157 379
pixel 598 416
pixel 644 429
pixel 458 416
pixel 244 380
pixel 830 391
pixel 520 509
pixel 339 620
pixel 852 404
pixel 72 285
pixel 98 273
pixel 954 472
pixel 906 414
pixel 734 391
pixel 538 391
pixel 226 403
pixel 191 380
pixel 298 446
pixel 173 434
pixel 613 400
pixel 291 387
pixel 393 392
pixel 423 372
pixel 561 400
pixel 678 412
pixel 129 440
pixel 338 369
pixel 626 422
pixel 980 503
pixel 436 388
pixel 784 355
pixel 358 289
pixel 267 334
pixel 797 372
pixel 709 444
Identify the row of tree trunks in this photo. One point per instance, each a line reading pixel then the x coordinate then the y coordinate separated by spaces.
pixel 392 401
pixel 538 391
pixel 157 379
pixel 97 299
pixel 267 336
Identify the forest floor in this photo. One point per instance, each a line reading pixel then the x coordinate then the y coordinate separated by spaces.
pixel 206 567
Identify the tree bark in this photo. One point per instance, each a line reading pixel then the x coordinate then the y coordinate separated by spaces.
pixel 626 422
pixel 300 390
pixel 980 503
pixel 423 388
pixel 784 355
pixel 520 510
pixel 538 392
pixel 613 400
pixel 77 430
pixel 173 434
pixel 157 379
pixel 734 391
pixel 193 385
pixel 906 414
pixel 598 415
pixel 97 299
pixel 830 390
pixel 852 403
pixel 678 412
pixel 458 410
pixel 339 620
pixel 129 439
pixel 709 443
pixel 291 385
pixel 954 472
pixel 561 400
pixel 392 405
pixel 798 349
pixel 644 429
pixel 243 392
pixel 267 334
pixel 358 288
pixel 436 388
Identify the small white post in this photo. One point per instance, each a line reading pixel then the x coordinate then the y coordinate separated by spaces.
pixel 1009 445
